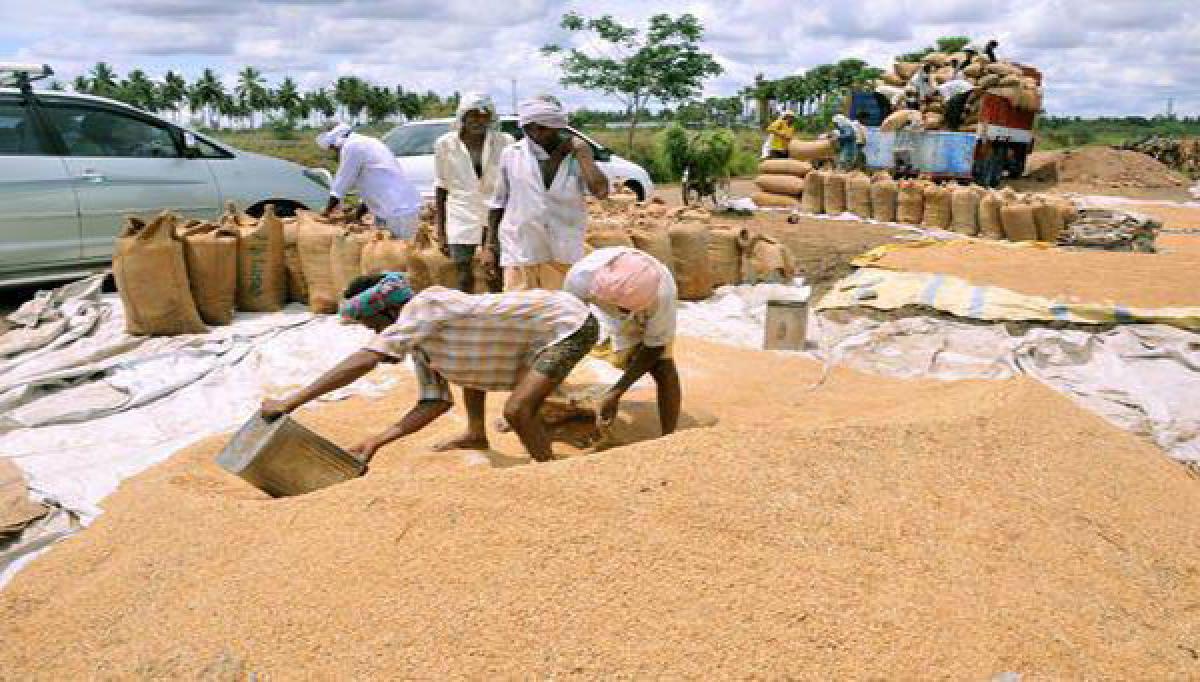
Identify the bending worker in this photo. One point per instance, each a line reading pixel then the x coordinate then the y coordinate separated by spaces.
pixel 781 130
pixel 525 342
pixel 636 297
pixel 538 212
pixel 975 48
pixel 466 165
pixel 366 164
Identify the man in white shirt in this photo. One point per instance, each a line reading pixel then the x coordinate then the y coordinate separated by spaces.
pixel 538 214
pixel 466 165
pixel 367 164
pixel 976 47
pixel 636 296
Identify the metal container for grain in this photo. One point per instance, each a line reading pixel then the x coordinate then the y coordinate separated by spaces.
pixel 786 327
pixel 283 458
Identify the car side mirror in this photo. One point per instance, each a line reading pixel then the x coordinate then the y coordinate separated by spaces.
pixel 601 153
pixel 191 149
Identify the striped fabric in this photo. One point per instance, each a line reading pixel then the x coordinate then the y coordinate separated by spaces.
pixel 477 341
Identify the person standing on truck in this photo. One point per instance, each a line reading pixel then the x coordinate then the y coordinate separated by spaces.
pixel 781 132
pixel 366 164
pixel 860 139
pixel 538 211
pixel 847 141
pixel 466 165
pixel 922 83
pixel 976 48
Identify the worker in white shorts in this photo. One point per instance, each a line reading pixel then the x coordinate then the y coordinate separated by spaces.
pixel 366 164
pixel 636 297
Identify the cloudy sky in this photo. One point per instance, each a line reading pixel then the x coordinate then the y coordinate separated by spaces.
pixel 1100 56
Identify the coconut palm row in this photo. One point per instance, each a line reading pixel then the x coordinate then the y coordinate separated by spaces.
pixel 251 103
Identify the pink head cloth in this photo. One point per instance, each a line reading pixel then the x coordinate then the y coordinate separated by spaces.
pixel 629 281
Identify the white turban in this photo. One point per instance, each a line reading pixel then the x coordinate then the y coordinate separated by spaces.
pixel 543 110
pixel 334 136
pixel 474 101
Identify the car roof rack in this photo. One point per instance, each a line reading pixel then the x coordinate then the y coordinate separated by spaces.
pixel 22 75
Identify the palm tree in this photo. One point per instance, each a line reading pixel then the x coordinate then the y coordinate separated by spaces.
pixel 381 103
pixel 207 93
pixel 103 80
pixel 81 84
pixel 252 92
pixel 139 91
pixel 287 97
pixel 322 103
pixel 351 94
pixel 172 91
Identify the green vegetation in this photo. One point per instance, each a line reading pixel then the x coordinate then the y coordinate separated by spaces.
pixel 1058 132
pixel 815 94
pixel 945 45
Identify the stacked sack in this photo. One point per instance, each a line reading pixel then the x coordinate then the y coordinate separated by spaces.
pixel 781 182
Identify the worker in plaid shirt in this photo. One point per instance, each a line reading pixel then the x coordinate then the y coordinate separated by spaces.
pixel 525 342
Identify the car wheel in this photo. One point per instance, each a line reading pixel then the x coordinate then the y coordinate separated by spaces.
pixel 284 208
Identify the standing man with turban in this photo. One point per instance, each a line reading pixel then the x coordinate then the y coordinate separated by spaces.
pixel 466 166
pixel 636 297
pixel 538 212
pixel 525 342
pixel 367 164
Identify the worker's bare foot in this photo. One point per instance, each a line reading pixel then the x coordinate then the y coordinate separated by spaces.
pixel 463 442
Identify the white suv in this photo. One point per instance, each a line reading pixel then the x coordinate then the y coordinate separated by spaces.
pixel 412 143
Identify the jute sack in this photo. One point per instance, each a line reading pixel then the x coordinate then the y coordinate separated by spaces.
pixel 771 200
pixel 834 193
pixel 936 58
pixel 898 119
pixel 1003 69
pixel 725 245
pixel 1030 99
pixel 812 150
pixel 990 80
pixel 382 253
pixel 211 255
pixel 262 265
pixel 990 224
pixel 781 184
pixel 689 248
pixel 785 167
pixel 296 285
pixel 975 70
pixel 314 241
pixel 606 232
pixel 964 210
pixel 894 80
pixel 1010 93
pixel 905 71
pixel 858 194
pixel 932 120
pixel 427 259
pixel 1047 217
pixel 813 200
pixel 1068 211
pixel 345 256
pixel 152 279
pixel 883 198
pixel 1017 218
pixel 910 202
pixel 936 212
pixel 654 240
pixel 768 261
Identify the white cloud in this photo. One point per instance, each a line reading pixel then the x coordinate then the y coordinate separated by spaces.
pixel 1098 56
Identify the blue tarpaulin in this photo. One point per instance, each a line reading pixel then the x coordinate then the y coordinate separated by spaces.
pixel 940 153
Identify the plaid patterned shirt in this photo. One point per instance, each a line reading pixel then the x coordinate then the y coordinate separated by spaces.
pixel 479 341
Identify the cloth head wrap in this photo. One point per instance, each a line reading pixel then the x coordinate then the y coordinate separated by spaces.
pixel 543 110
pixel 388 296
pixel 474 101
pixel 629 281
pixel 334 136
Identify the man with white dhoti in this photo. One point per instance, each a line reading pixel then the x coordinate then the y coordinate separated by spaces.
pixel 538 212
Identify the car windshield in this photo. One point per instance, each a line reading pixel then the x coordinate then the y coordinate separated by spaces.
pixel 415 139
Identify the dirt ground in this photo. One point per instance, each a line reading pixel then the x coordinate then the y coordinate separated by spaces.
pixel 1102 171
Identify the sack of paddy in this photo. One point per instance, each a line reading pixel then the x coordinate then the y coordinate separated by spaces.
pixel 296 285
pixel 1030 99
pixel 910 202
pixel 883 198
pixel 653 239
pixel 790 185
pixel 932 120
pixel 262 265
pixel 428 265
pixel 605 232
pixel 1017 218
pixel 382 253
pixel 314 242
pixel 210 252
pixel 767 261
pixel 813 199
pixel 726 244
pixel 936 58
pixel 905 71
pixel 1011 93
pixel 1003 69
pixel 936 212
pixel 990 224
pixel 689 249
pixel 772 200
pixel 898 119
pixel 152 279
pixel 858 194
pixel 974 70
pixel 812 150
pixel 834 193
pixel 1048 219
pixel 785 167
pixel 894 80
pixel 964 210
pixel 345 256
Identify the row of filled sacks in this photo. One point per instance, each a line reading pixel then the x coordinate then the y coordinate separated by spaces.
pixel 701 256
pixel 781 182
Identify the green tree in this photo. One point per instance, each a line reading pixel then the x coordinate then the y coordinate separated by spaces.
pixel 408 103
pixel 172 92
pixel 322 102
pixel 252 93
pixel 207 94
pixel 945 44
pixel 288 98
pixel 664 63
pixel 103 80
pixel 81 84
pixel 139 91
pixel 381 103
pixel 351 93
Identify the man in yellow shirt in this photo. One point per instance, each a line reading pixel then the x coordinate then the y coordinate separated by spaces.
pixel 782 131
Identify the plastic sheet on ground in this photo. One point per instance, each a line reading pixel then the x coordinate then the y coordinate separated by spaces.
pixel 736 314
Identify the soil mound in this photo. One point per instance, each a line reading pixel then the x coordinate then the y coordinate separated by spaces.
pixel 1100 169
pixel 867 528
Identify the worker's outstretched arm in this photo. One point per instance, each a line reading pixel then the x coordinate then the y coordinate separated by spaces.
pixel 420 416
pixel 643 360
pixel 594 178
pixel 345 373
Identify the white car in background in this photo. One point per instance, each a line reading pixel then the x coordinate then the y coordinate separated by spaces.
pixel 73 166
pixel 412 143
